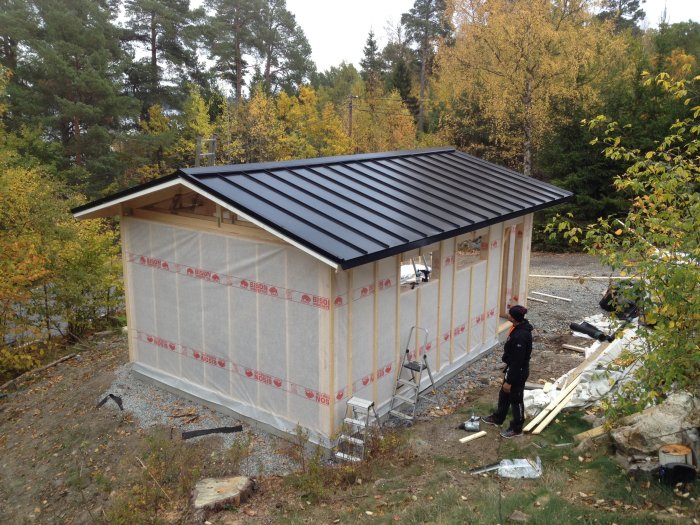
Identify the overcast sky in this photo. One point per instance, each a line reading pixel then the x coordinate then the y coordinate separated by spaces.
pixel 337 29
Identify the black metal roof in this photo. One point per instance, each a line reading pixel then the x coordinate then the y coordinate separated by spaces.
pixel 357 209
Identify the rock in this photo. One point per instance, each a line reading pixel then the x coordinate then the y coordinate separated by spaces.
pixel 215 494
pixel 664 424
pixel 518 517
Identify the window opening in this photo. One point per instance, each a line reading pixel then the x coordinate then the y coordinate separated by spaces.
pixel 469 251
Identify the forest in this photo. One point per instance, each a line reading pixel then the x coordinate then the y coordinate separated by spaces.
pixel 101 95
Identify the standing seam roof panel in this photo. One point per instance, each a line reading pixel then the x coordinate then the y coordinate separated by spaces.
pixel 356 209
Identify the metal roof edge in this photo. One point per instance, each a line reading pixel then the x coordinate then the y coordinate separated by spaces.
pixel 359 261
pixel 121 196
pixel 297 163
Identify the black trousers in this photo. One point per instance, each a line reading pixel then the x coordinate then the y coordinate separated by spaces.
pixel 514 400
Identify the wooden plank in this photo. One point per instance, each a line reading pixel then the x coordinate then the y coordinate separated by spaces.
pixel 539 417
pixel 467 439
pixel 552 296
pixel 575 348
pixel 547 420
pixel 594 432
pixel 535 299
pixel 577 371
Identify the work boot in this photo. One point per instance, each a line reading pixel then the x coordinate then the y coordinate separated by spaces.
pixel 491 420
pixel 510 433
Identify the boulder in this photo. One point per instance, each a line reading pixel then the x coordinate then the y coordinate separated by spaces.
pixel 676 420
pixel 215 494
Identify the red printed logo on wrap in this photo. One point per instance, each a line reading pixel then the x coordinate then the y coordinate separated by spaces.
pixel 277 382
pixel 339 395
pixel 338 301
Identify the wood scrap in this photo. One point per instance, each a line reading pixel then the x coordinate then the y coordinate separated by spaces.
pixel 533 386
pixel 594 432
pixel 537 300
pixel 467 439
pixel 575 348
pixel 552 296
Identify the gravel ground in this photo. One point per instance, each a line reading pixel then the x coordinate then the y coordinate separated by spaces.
pixel 152 406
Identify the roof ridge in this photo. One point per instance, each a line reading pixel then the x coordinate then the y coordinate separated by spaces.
pixel 227 169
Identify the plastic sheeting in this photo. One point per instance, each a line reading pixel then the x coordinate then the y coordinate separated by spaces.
pixel 271 333
pixel 227 319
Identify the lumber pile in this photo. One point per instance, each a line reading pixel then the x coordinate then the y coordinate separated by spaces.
pixel 547 415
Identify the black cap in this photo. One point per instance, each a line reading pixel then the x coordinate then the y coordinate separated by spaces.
pixel 517 312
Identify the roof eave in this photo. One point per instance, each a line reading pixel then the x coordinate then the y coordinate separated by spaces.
pixel 359 261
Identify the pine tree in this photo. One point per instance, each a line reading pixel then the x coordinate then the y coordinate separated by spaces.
pixel 69 76
pixel 282 49
pixel 231 38
pixel 425 24
pixel 372 65
pixel 165 30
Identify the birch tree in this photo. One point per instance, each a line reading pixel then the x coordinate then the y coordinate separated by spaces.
pixel 513 58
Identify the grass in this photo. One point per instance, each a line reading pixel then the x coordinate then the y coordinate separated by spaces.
pixel 403 487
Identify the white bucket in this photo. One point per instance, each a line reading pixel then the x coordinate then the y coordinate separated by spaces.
pixel 675 454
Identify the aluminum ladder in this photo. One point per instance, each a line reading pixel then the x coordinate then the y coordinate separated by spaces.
pixel 407 386
pixel 359 418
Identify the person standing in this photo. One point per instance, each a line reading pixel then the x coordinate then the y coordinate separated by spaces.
pixel 516 356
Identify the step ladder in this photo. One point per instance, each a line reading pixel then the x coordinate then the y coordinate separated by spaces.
pixel 410 373
pixel 360 420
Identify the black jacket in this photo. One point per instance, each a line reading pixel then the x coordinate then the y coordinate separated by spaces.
pixel 516 353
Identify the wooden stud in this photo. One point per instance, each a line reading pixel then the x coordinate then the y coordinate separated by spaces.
pixel 349 332
pixel 452 301
pixel 331 350
pixel 375 331
pixel 439 310
pixel 128 297
pixel 574 348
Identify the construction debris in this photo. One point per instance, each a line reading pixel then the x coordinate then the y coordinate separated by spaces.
pixel 203 432
pixel 513 468
pixel 116 399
